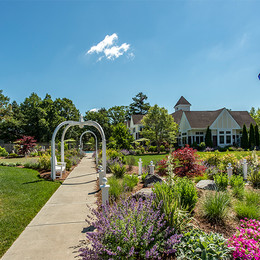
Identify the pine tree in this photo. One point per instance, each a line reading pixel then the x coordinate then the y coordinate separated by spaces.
pixel 256 136
pixel 244 138
pixel 208 138
pixel 251 137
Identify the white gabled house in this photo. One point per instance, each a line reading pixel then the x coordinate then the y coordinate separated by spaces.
pixel 226 125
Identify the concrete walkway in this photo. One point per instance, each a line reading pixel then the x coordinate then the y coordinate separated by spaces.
pixel 58 228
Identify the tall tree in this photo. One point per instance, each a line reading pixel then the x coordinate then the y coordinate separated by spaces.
pixel 159 126
pixel 251 136
pixel 117 114
pixel 255 113
pixel 244 138
pixel 257 143
pixel 101 117
pixel 5 107
pixel 138 106
pixel 121 136
pixel 208 138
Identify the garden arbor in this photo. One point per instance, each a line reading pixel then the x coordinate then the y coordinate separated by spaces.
pixel 81 144
pixel 81 124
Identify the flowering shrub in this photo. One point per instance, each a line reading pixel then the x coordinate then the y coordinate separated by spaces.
pixel 162 167
pixel 25 144
pixel 246 240
pixel 187 161
pixel 130 230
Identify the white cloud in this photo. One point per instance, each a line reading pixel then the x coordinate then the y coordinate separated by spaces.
pixel 109 49
pixel 108 41
pixel 116 51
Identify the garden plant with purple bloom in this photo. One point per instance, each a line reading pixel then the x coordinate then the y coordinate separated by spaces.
pixel 130 230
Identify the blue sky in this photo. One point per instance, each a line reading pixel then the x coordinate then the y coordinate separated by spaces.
pixel 207 51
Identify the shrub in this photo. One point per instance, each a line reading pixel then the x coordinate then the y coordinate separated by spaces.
pixel 118 170
pixel 252 197
pixel 144 175
pixel 244 210
pixel 138 152
pixel 237 184
pixel 162 167
pixel 116 187
pixel 13 155
pixel 162 148
pixel 229 158
pixel 200 178
pixel 175 216
pixel 196 244
pixel 202 146
pixel 26 143
pixel 32 164
pixel 130 181
pixel 125 152
pixel 214 206
pixel 185 191
pixel 45 162
pixel 3 152
pixel 246 240
pixel 254 178
pixel 211 171
pixel 152 149
pixel 221 181
pixel 68 164
pixel 129 230
pixel 130 161
pixel 186 161
pixel 212 159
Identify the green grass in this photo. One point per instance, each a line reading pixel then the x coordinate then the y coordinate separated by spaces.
pixel 22 195
pixel 21 160
pixel 147 158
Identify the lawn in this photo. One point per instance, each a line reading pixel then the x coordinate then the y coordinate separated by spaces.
pixel 21 160
pixel 147 158
pixel 22 195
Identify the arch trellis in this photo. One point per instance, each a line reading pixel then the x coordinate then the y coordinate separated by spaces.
pixel 81 124
pixel 81 144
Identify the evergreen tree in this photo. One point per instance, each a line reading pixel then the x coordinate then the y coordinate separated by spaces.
pixel 244 138
pixel 208 138
pixel 139 107
pixel 251 136
pixel 256 136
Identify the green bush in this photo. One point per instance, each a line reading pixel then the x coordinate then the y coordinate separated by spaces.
pixel 138 152
pixel 250 207
pixel 185 191
pixel 200 178
pixel 13 155
pixel 196 244
pixel 202 146
pixel 244 210
pixel 116 187
pixel 254 178
pixel 221 181
pixel 130 161
pixel 130 181
pixel 213 159
pixel 175 216
pixel 45 162
pixel 215 205
pixel 238 186
pixel 3 152
pixel 162 148
pixel 32 164
pixel 118 170
pixel 144 175
pixel 68 164
pixel 152 149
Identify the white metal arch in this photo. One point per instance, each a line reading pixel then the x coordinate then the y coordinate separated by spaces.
pixel 80 123
pixel 81 144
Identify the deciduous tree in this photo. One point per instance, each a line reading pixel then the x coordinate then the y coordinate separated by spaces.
pixel 159 126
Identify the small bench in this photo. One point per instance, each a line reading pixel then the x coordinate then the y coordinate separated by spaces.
pixel 60 167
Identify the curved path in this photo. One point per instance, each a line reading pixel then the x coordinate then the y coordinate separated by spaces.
pixel 59 228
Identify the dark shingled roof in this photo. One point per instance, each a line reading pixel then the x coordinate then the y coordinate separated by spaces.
pixel 137 119
pixel 202 119
pixel 242 118
pixel 177 116
pixel 182 101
